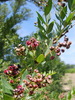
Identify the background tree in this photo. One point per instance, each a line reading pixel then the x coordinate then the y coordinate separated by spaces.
pixel 9 21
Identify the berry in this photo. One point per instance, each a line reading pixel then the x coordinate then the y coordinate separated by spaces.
pixel 68 46
pixel 62 50
pixel 28 42
pixel 69 43
pixel 61 4
pixel 57 50
pixel 11 81
pixel 36 71
pixel 60 44
pixel 35 86
pixel 66 39
pixel 58 54
pixel 64 44
pixel 31 92
pixel 52 57
pixel 52 48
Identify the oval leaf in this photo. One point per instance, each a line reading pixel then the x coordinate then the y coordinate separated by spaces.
pixel 50 27
pixel 24 76
pixel 40 18
pixel 6 84
pixel 48 50
pixel 48 7
pixel 7 97
pixel 63 12
pixel 70 2
pixel 40 58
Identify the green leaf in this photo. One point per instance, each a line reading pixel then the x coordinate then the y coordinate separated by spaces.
pixel 48 18
pixel 50 27
pixel 69 96
pixel 40 26
pixel 73 6
pixel 42 35
pixel 40 18
pixel 6 86
pixel 69 19
pixel 70 2
pixel 59 18
pixel 23 98
pixel 48 7
pixel 73 91
pixel 32 53
pixel 48 50
pixel 7 97
pixel 1 60
pixel 24 76
pixel 40 58
pixel 63 12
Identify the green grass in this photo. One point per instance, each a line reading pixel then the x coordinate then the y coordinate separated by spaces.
pixel 71 70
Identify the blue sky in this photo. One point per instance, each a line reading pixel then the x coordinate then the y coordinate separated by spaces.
pixel 27 27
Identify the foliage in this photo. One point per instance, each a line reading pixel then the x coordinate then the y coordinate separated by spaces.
pixel 37 70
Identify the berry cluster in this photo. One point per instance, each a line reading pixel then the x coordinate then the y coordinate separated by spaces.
pixel 12 70
pixel 58 48
pixel 32 43
pixel 20 50
pixel 18 92
pixel 38 81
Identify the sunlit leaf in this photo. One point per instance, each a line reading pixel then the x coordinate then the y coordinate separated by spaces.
pixel 7 97
pixel 69 96
pixel 63 12
pixel 39 25
pixel 48 48
pixel 6 86
pixel 69 19
pixel 48 7
pixel 50 27
pixel 40 58
pixel 41 18
pixel 23 76
pixel 70 2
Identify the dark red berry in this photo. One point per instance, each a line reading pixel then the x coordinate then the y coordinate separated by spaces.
pixel 30 86
pixel 60 44
pixel 52 48
pixel 11 81
pixel 31 92
pixel 57 50
pixel 66 39
pixel 58 54
pixel 61 4
pixel 69 43
pixel 52 57
pixel 64 44
pixel 68 46
pixel 62 50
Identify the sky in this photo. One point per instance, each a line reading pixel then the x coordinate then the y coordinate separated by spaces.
pixel 27 27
